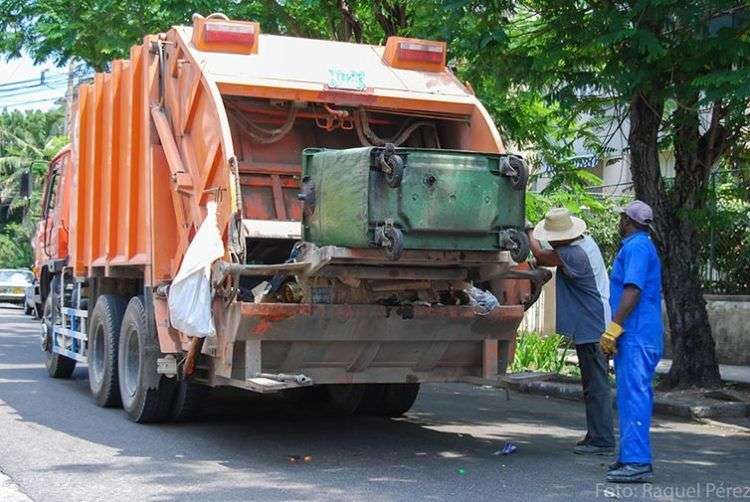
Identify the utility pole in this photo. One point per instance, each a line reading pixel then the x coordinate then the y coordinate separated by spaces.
pixel 69 96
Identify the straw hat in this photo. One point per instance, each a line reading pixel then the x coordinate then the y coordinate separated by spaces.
pixel 559 225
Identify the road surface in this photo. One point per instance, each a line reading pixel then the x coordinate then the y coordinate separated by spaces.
pixel 56 445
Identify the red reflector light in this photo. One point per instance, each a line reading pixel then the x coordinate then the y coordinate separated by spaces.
pixel 229 33
pixel 415 51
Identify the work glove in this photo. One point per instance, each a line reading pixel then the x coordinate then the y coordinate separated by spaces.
pixel 608 341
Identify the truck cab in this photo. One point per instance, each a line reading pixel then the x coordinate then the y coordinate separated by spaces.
pixel 50 242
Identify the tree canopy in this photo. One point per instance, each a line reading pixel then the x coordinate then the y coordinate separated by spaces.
pixel 27 140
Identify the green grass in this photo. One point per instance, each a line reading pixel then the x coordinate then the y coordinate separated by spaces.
pixel 536 352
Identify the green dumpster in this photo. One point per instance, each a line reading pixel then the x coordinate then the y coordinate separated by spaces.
pixel 412 198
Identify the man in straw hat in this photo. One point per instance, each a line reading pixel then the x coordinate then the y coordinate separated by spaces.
pixel 583 312
pixel 635 338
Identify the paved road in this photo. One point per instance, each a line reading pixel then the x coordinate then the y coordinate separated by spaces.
pixel 56 445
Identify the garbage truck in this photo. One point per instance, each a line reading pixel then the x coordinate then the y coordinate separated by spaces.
pixel 280 214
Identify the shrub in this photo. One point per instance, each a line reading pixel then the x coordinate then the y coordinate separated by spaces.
pixel 536 352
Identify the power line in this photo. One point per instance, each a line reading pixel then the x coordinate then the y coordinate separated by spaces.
pixel 35 83
pixel 43 78
pixel 34 89
pixel 58 88
pixel 18 103
pixel 42 85
pixel 30 80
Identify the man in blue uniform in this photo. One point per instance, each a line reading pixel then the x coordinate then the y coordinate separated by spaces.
pixel 583 312
pixel 635 338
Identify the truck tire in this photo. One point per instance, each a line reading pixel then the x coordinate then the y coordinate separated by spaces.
pixel 388 399
pixel 520 250
pixel 104 337
pixel 146 395
pixel 343 399
pixel 58 366
pixel 189 401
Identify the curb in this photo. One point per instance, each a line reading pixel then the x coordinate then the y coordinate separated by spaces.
pixel 662 406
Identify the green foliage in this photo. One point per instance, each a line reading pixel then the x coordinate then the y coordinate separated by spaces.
pixel 27 142
pixel 98 31
pixel 535 352
pixel 600 214
pixel 14 253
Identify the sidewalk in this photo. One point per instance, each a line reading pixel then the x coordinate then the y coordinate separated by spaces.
pixel 729 373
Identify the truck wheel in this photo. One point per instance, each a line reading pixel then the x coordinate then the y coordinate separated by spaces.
pixel 519 251
pixel 388 399
pixel 146 395
pixel 58 366
pixel 189 401
pixel 519 180
pixel 344 399
pixel 104 336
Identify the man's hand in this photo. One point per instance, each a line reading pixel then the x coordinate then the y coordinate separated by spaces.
pixel 608 342
pixel 527 225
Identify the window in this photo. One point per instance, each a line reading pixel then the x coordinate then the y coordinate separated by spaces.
pixel 51 196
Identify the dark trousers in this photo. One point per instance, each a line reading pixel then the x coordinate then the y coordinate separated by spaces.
pixel 596 394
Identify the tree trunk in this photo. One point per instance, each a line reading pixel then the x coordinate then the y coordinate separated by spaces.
pixel 693 349
pixel 693 353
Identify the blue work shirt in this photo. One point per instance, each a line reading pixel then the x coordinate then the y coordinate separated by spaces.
pixel 638 263
pixel 582 291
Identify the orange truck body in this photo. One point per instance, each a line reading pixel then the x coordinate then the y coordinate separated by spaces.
pixel 162 134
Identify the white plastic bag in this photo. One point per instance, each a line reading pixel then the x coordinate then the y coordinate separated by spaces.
pixel 190 293
pixel 483 302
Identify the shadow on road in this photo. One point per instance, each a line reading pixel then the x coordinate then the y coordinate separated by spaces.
pixel 248 442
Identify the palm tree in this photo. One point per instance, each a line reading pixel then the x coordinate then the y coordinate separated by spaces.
pixel 27 142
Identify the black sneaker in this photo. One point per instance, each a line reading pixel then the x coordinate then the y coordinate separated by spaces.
pixel 590 449
pixel 584 440
pixel 614 466
pixel 631 473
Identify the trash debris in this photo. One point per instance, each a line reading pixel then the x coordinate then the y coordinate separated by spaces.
pixel 461 471
pixel 260 291
pixel 611 494
pixel 483 302
pixel 293 459
pixel 507 449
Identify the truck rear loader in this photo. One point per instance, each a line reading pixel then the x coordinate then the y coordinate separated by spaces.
pixel 362 200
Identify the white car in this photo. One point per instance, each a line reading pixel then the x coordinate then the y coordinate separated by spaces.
pixel 13 284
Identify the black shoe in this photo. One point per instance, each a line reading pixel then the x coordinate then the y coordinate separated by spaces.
pixel 584 440
pixel 614 466
pixel 590 449
pixel 631 473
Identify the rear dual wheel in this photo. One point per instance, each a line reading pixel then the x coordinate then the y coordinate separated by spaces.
pixel 104 336
pixel 147 396
pixel 381 399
